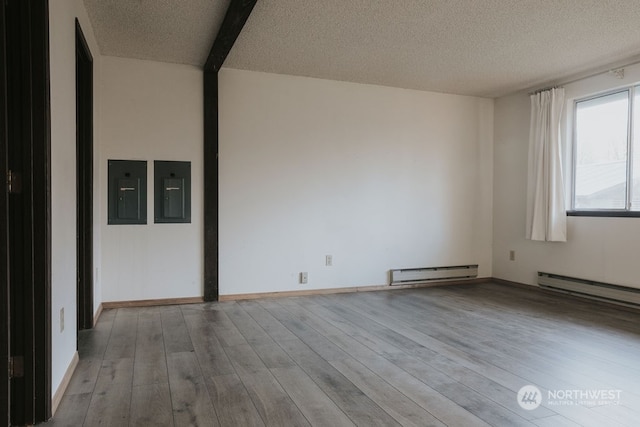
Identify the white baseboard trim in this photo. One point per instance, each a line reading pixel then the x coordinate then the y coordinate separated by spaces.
pixel 298 293
pixel 66 379
pixel 97 314
pixel 151 302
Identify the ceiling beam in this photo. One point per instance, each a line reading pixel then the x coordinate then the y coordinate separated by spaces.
pixel 234 20
pixel 210 186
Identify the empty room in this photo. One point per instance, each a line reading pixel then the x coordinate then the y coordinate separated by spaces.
pixel 341 213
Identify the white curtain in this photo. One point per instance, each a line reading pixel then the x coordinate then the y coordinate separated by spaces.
pixel 546 214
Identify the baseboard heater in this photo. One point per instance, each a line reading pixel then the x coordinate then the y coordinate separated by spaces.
pixel 407 276
pixel 589 288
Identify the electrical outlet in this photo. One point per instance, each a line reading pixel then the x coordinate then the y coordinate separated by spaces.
pixel 304 278
pixel 328 260
pixel 512 255
pixel 62 319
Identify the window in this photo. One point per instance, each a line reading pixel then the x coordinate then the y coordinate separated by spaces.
pixel 606 171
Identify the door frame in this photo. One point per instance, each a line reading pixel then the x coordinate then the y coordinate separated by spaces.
pixel 84 180
pixel 29 153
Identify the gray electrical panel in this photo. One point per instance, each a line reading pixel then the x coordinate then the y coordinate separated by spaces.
pixel 172 182
pixel 127 192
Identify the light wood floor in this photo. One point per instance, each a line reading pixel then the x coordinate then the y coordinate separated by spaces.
pixel 453 355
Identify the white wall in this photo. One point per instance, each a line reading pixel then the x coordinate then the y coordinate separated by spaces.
pixel 602 249
pixel 377 177
pixel 151 111
pixel 62 16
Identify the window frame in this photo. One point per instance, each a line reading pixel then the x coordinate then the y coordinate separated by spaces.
pixel 626 212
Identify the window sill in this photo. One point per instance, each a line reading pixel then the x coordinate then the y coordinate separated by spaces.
pixel 605 213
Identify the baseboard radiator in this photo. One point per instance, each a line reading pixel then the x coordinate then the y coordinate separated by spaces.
pixel 589 288
pixel 409 276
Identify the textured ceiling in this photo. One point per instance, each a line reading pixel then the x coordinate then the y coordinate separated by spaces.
pixel 180 31
pixel 472 47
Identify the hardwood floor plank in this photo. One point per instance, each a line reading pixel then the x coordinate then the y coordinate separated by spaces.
pixel 343 326
pixel 455 355
pixel 72 411
pixel 116 371
pixel 310 399
pixel 85 376
pixel 92 343
pixel 232 402
pixel 526 344
pixel 246 325
pixel 184 366
pixel 440 334
pixel 627 416
pixel 429 399
pixel 106 316
pixel 150 365
pixel 585 416
pixel 276 330
pixel 151 405
pixel 299 327
pixel 480 406
pixel 244 359
pixel 109 407
pixel 396 404
pixel 555 421
pixel 267 350
pixel 466 385
pixel 272 403
pixel 532 376
pixel 111 399
pixel 211 356
pixel 460 373
pixel 150 370
pixel 150 340
pixel 434 350
pixel 440 406
pixel 273 356
pixel 189 395
pixel 296 305
pixel 560 379
pixel 351 400
pixel 175 334
pixel 191 404
pixel 500 321
pixel 122 340
pixel 227 333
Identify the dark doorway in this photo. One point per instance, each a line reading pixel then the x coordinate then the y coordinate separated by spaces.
pixel 84 177
pixel 25 238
